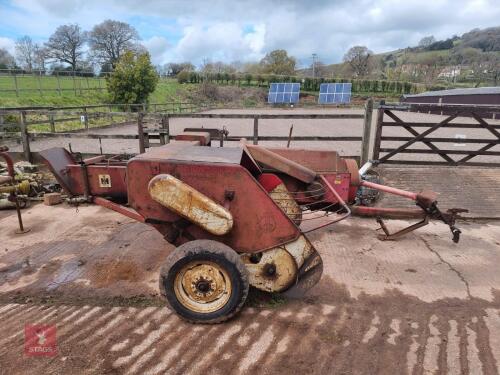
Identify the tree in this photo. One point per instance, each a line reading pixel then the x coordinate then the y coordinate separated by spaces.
pixel 66 44
pixel 40 57
pixel 173 69
pixel 6 59
pixel 426 41
pixel 278 62
pixel 25 52
pixel 358 58
pixel 110 39
pixel 133 79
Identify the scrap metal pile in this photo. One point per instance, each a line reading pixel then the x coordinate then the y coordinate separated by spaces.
pixel 32 183
pixel 238 216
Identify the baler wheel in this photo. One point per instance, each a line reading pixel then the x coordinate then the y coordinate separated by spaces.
pixel 204 281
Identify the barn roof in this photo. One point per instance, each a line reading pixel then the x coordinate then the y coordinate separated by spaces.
pixel 472 91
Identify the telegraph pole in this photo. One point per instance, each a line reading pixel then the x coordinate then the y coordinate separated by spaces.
pixel 314 58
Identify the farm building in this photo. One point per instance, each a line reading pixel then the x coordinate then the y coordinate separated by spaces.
pixel 481 95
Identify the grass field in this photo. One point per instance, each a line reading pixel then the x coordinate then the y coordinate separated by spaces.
pixel 66 91
pixel 40 91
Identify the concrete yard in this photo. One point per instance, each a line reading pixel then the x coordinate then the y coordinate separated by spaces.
pixel 419 305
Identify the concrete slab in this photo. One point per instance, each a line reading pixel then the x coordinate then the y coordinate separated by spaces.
pixel 473 188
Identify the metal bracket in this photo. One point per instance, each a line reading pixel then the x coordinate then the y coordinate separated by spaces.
pixel 393 236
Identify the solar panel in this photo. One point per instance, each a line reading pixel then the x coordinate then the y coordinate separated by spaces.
pixel 283 93
pixel 334 93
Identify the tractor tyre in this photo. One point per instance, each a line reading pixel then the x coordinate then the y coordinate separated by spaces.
pixel 204 281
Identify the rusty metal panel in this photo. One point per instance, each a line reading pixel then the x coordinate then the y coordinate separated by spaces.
pixel 258 222
pixel 281 164
pixel 318 160
pixel 182 152
pixel 202 137
pixel 105 181
pixel 58 159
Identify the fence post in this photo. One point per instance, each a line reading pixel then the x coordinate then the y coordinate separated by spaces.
pixel 367 126
pixel 165 127
pixel 39 82
pixel 15 84
pixel 74 82
pixel 255 130
pixel 140 131
pixel 378 131
pixel 58 83
pixel 52 123
pixel 85 118
pixel 25 139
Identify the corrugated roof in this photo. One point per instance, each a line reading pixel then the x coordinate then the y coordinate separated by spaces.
pixel 472 91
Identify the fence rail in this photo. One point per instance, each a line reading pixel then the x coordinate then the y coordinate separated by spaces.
pixel 86 121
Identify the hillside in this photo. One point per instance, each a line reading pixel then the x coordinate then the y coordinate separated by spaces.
pixel 472 59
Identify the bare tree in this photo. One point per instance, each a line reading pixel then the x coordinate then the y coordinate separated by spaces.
pixel 172 69
pixel 110 39
pixel 358 58
pixel 66 45
pixel 6 59
pixel 427 41
pixel 25 52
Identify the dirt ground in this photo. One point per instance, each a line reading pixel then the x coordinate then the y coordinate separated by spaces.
pixel 419 305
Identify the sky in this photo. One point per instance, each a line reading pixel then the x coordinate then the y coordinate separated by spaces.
pixel 245 30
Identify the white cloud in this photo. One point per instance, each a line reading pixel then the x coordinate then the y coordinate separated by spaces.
pixel 8 44
pixel 219 29
pixel 157 47
pixel 225 41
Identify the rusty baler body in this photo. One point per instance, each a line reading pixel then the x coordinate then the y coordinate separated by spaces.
pixel 252 199
pixel 228 176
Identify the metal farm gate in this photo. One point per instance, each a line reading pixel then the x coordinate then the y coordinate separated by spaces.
pixel 399 141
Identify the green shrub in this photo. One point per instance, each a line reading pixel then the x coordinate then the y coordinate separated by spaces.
pixel 183 76
pixel 248 78
pixel 133 79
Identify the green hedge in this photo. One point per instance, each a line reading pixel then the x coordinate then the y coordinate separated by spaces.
pixel 307 84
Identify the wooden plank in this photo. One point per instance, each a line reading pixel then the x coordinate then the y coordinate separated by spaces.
pixel 41 122
pixel 425 162
pixel 453 152
pixel 378 133
pixel 25 138
pixel 83 135
pixel 443 140
pixel 255 130
pixel 140 132
pixel 295 138
pixel 429 124
pixel 416 134
pixel 488 146
pixel 419 137
pixel 268 116
pixel 367 126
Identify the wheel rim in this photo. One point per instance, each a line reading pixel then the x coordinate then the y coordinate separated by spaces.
pixel 203 287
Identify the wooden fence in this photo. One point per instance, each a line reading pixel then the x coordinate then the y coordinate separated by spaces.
pixel 476 118
pixel 90 120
